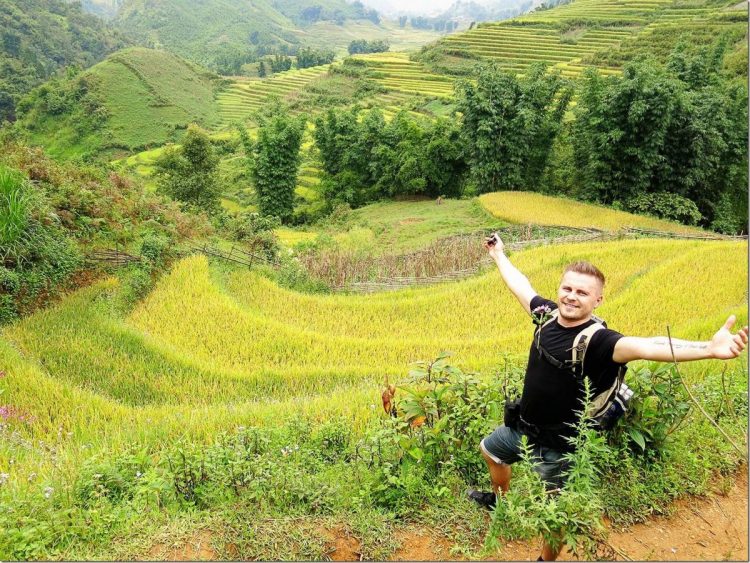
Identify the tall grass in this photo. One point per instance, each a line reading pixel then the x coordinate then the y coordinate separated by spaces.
pixel 15 209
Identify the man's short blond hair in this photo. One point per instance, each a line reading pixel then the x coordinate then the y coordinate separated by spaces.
pixel 584 267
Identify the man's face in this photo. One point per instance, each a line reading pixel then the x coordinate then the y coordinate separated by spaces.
pixel 578 296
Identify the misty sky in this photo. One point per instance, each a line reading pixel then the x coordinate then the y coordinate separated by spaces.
pixel 422 6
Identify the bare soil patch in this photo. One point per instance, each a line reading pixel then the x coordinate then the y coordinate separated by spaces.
pixel 421 545
pixel 342 545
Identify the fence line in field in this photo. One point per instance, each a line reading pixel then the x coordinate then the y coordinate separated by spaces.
pixel 463 252
pixel 580 235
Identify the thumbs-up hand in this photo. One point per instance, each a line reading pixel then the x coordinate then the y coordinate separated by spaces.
pixel 724 345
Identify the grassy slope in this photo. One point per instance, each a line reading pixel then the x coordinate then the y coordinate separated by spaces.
pixel 408 225
pixel 150 97
pixel 328 35
pixel 190 27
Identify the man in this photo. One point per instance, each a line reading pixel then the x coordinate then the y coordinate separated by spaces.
pixel 552 395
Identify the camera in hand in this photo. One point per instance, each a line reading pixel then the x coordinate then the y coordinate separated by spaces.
pixel 492 240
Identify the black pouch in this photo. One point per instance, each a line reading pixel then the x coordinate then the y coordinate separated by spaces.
pixel 512 413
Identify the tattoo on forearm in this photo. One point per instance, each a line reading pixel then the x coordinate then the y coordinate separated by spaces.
pixel 683 345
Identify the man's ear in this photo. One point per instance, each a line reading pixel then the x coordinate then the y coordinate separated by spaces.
pixel 598 301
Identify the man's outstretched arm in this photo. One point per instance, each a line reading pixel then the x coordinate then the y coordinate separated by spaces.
pixel 518 284
pixel 723 346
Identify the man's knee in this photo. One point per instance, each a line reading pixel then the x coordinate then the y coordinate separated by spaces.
pixel 490 458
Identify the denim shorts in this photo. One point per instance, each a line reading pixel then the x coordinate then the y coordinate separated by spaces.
pixel 504 446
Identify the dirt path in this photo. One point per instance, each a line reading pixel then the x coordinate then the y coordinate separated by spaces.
pixel 713 528
pixel 700 529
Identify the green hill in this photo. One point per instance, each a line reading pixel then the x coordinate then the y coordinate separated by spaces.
pixel 40 37
pixel 135 99
pixel 223 34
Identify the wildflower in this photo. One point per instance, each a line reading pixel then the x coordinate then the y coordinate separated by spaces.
pixel 4 478
pixel 2 374
pixel 48 492
pixel 138 474
pixel 32 476
pixel 541 314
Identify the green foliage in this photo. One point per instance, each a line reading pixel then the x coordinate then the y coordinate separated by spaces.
pixel 276 159
pixel 368 159
pixel 15 209
pixel 256 232
pixel 572 517
pixel 360 46
pixel 677 129
pixel 36 255
pixel 665 206
pixel 280 63
pixel 730 217
pixel 659 405
pixel 76 100
pixel 510 124
pixel 189 173
pixel 40 37
pixel 307 57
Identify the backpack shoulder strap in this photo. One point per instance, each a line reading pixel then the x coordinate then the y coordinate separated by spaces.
pixel 580 345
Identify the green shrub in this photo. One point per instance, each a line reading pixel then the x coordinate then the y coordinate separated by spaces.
pixel 665 206
pixel 37 255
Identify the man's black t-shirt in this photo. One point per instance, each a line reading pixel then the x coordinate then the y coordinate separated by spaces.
pixel 552 395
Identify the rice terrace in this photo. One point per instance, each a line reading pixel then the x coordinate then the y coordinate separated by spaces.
pixel 262 265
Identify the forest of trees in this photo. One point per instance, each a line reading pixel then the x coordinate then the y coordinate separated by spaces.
pixel 34 46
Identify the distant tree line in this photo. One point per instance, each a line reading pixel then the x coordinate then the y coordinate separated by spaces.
pixel 307 57
pixel 422 22
pixel 359 46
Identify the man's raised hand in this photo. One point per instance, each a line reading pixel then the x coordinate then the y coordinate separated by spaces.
pixel 724 345
pixel 494 244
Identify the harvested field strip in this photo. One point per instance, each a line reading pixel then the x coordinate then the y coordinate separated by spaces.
pixel 528 207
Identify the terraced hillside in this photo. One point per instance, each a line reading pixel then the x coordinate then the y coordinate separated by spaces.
pixel 246 95
pixel 582 33
pixel 207 338
pixel 400 78
pixel 517 46
pixel 399 74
